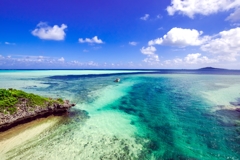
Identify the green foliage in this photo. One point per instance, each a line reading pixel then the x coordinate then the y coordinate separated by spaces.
pixel 11 97
pixel 60 100
pixel 7 101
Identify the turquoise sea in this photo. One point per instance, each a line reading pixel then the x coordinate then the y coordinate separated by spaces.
pixel 148 115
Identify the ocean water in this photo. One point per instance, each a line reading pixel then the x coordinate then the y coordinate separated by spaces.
pixel 165 115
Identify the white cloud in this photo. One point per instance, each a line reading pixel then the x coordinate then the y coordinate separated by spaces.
pixel 194 58
pixel 159 16
pixel 8 43
pixel 26 61
pixel 235 16
pixel 226 46
pixel 43 31
pixel 204 7
pixel 22 60
pixel 61 59
pixel 91 63
pixel 76 63
pixel 88 40
pixel 152 59
pixel 133 43
pixel 177 60
pixel 145 17
pixel 149 50
pixel 85 50
pixel 181 38
pixel 235 24
pixel 40 58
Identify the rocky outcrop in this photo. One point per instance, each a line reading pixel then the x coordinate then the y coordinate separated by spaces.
pixel 238 109
pixel 25 113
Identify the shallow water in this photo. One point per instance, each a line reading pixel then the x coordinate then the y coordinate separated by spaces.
pixel 145 116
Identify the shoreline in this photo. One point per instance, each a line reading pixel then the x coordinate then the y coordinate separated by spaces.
pixel 21 134
pixel 29 119
pixel 17 107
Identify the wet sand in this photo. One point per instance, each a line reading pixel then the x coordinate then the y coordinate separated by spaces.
pixel 20 134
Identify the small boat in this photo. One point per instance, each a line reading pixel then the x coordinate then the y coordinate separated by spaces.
pixel 117 80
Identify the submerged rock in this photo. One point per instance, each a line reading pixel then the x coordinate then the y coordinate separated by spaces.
pixel 238 109
pixel 235 103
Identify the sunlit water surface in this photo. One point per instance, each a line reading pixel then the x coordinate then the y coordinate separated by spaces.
pixel 145 116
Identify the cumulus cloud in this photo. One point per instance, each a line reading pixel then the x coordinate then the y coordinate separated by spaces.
pixel 190 37
pixel 177 60
pixel 148 50
pixel 93 40
pixel 44 31
pixel 235 16
pixel 133 43
pixel 181 38
pixel 76 63
pixel 151 58
pixel 235 24
pixel 145 17
pixel 61 59
pixel 203 7
pixel 91 63
pixel 226 46
pixel 194 58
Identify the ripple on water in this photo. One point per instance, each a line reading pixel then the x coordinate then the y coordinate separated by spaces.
pixel 142 117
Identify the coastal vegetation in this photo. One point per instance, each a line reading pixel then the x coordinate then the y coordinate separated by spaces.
pixel 10 98
pixel 17 107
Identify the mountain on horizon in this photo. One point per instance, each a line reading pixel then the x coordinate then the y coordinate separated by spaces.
pixel 211 68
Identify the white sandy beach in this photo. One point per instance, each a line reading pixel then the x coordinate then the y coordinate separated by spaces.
pixel 20 134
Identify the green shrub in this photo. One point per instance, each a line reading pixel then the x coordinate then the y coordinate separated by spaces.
pixel 9 98
pixel 60 100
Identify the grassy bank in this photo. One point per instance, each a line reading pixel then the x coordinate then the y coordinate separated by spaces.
pixel 10 99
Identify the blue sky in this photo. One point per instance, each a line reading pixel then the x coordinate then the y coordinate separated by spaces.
pixel 119 34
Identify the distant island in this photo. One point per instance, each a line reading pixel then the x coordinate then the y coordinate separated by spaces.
pixel 17 107
pixel 211 68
